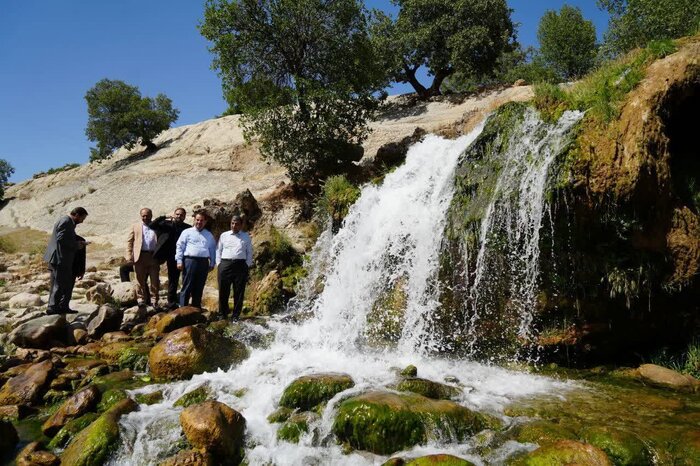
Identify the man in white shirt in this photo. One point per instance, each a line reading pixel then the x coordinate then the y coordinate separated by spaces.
pixel 140 246
pixel 195 253
pixel 234 256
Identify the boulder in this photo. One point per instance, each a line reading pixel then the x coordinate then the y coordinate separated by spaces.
pixel 80 336
pixel 268 297
pixel 93 445
pixel 428 388
pixel 192 350
pixel 189 458
pixel 220 212
pixel 126 354
pixel 70 430
pixel 193 397
pixel 541 432
pixel 24 300
pixel 310 390
pixel 667 378
pixel 99 294
pixel 8 437
pixel 565 452
pixel 133 316
pixel 430 460
pixel 178 318
pixel 297 425
pixel 14 412
pixel 27 388
pixel 33 455
pixel 519 82
pixel 107 319
pixel 78 404
pixel 623 448
pixel 124 294
pixel 149 398
pixel 383 422
pixel 43 332
pixel 213 427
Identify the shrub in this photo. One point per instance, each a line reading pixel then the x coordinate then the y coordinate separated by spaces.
pixel 336 198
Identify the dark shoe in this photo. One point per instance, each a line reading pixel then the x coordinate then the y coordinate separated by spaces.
pixel 52 312
pixel 69 311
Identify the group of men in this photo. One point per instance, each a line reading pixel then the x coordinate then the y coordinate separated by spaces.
pixel 188 250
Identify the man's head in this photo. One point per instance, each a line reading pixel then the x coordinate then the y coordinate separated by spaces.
pixel 146 215
pixel 179 215
pixel 236 223
pixel 78 215
pixel 200 221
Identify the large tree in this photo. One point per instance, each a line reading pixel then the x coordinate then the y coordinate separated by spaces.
pixel 446 36
pixel 301 71
pixel 567 42
pixel 633 23
pixel 119 116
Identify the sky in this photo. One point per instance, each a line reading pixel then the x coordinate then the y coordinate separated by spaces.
pixel 52 52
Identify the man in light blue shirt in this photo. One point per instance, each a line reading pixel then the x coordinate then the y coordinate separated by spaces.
pixel 234 256
pixel 195 253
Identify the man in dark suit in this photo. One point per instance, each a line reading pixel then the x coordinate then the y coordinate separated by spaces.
pixel 168 230
pixel 60 254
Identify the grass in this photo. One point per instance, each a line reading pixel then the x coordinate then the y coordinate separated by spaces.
pixel 51 171
pixel 687 361
pixel 24 240
pixel 335 200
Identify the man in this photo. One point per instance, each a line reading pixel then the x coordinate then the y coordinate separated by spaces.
pixel 234 256
pixel 60 254
pixel 140 248
pixel 195 253
pixel 168 230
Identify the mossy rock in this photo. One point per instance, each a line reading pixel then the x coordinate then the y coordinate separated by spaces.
pixel 126 354
pixel 125 379
pixel 410 371
pixel 193 397
pixel 624 448
pixel 149 398
pixel 93 445
pixel 110 398
pixel 70 430
pixel 383 422
pixel 280 415
pixel 296 426
pixel 687 449
pixel 439 460
pixel 564 452
pixel 428 388
pixel 541 432
pixel 386 317
pixel 310 390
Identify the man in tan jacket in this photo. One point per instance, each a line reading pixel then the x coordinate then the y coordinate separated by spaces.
pixel 140 247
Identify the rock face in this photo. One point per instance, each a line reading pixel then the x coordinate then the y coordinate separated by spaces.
pixel 75 406
pixel 191 350
pixel 667 378
pixel 27 387
pixel 310 390
pixel 215 428
pixel 42 332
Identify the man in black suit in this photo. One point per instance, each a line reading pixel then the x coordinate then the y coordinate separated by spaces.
pixel 168 231
pixel 60 254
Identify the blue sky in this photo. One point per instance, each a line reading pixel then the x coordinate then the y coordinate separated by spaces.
pixel 52 52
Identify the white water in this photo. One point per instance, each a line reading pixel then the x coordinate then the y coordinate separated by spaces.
pixel 392 232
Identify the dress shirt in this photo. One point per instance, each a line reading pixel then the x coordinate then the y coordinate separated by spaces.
pixel 235 246
pixel 195 243
pixel 149 239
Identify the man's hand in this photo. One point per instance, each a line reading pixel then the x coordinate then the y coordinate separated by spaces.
pixel 80 277
pixel 179 266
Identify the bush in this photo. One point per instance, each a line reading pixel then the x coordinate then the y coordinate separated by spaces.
pixel 52 171
pixel 6 170
pixel 334 203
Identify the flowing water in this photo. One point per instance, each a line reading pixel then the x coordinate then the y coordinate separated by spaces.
pixel 390 238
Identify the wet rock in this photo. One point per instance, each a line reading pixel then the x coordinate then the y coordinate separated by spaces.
pixel 126 354
pixel 268 297
pixel 279 415
pixel 430 460
pixel 99 294
pixel 14 412
pixel 111 337
pixel 189 458
pixel 215 428
pixel 428 388
pixel 193 397
pixel 383 422
pixel 70 430
pixel 310 390
pixel 107 319
pixel 80 336
pixel 667 378
pixel 296 426
pixel 179 318
pixel 25 300
pixel 33 455
pixel 27 387
pixel 124 294
pixel 541 432
pixel 410 371
pixel 623 448
pixel 110 398
pixel 93 445
pixel 192 350
pixel 80 403
pixel 394 153
pixel 43 332
pixel 687 449
pixel 133 316
pixel 149 398
pixel 8 437
pixel 565 452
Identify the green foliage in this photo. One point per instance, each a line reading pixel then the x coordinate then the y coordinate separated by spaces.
pixel 53 171
pixel 6 170
pixel 465 36
pixel 634 23
pixel 303 73
pixel 567 42
pixel 119 116
pixel 550 100
pixel 336 198
pixel 275 251
pixel 686 361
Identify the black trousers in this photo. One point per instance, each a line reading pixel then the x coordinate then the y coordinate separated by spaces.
pixel 62 282
pixel 173 281
pixel 193 280
pixel 232 273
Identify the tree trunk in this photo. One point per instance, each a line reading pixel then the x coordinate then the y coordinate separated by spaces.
pixel 411 79
pixel 437 81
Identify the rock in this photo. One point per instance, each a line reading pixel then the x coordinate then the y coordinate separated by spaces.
pixel 296 426
pixel 394 153
pixel 215 428
pixel 178 318
pixel 383 422
pixel 111 337
pixel 32 455
pixel 541 432
pixel 25 300
pixel 149 398
pixel 410 371
pixel 193 397
pixel 99 294
pixel 192 350
pixel 126 354
pixel 93 445
pixel 124 294
pixel 268 297
pixel 279 415
pixel 623 448
pixel 107 319
pixel 43 332
pixel 80 403
pixel 519 82
pixel 310 390
pixel 70 430
pixel 110 398
pixel 220 212
pixel 667 378
pixel 428 388
pixel 189 458
pixel 80 336
pixel 430 460
pixel 133 316
pixel 8 437
pixel 565 452
pixel 27 387
pixel 14 412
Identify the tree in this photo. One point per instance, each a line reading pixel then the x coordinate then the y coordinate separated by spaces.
pixel 302 72
pixel 119 116
pixel 634 23
pixel 446 36
pixel 6 170
pixel 567 42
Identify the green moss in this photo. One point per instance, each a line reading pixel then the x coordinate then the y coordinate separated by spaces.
pixel 439 460
pixel 198 395
pixel 134 358
pixel 110 398
pixel 306 392
pixel 562 453
pixel 541 432
pixel 428 388
pixel 70 430
pixel 624 448
pixel 149 398
pixel 410 371
pixel 279 415
pixel 295 427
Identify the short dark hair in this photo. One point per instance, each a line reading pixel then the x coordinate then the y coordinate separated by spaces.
pixel 182 209
pixel 79 211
